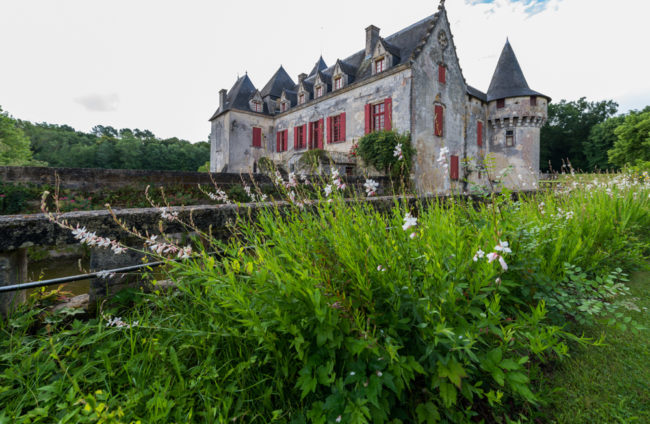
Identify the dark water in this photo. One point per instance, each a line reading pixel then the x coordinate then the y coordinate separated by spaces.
pixel 61 267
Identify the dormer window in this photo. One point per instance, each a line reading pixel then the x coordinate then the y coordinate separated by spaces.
pixel 257 107
pixel 380 65
pixel 301 99
pixel 338 83
pixel 283 107
pixel 319 91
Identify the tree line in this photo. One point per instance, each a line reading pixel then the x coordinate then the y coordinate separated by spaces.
pixel 42 144
pixel 591 137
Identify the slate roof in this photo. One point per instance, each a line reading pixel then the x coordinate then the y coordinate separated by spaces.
pixel 238 96
pixel 508 79
pixel 476 93
pixel 319 66
pixel 278 82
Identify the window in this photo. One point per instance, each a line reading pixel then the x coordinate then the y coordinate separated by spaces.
pixel 316 134
pixel 319 91
pixel 282 141
pixel 257 107
pixel 338 83
pixel 257 137
pixel 533 100
pixel 438 120
pixel 379 65
pixel 501 103
pixel 336 128
pixel 301 99
pixel 283 106
pixel 479 134
pixel 379 116
pixel 299 141
pixel 442 74
pixel 510 138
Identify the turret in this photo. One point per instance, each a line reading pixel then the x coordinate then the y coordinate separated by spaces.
pixel 515 116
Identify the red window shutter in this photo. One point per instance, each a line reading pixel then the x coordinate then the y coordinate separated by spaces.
pixel 295 138
pixel 278 141
pixel 329 130
pixel 321 131
pixel 343 127
pixel 368 119
pixel 442 74
pixel 388 114
pixel 479 134
pixel 257 137
pixel 454 167
pixel 438 121
pixel 303 139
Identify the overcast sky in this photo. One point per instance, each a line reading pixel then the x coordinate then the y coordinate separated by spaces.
pixel 159 64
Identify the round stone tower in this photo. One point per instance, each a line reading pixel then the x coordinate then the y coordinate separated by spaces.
pixel 515 118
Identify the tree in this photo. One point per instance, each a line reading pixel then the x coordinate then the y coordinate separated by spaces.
pixel 601 140
pixel 633 140
pixel 14 145
pixel 568 128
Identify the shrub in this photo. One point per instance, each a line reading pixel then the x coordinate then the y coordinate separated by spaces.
pixel 377 149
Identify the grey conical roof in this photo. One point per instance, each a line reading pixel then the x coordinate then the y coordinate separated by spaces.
pixel 319 66
pixel 278 82
pixel 238 96
pixel 508 79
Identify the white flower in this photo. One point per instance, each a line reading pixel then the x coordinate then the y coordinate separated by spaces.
pixel 352 373
pixel 409 221
pixel 371 187
pixel 380 268
pixel 335 173
pixel 494 256
pixel 338 419
pixel 479 255
pixel 105 274
pixel 413 235
pixel 78 233
pixel 502 247
pixel 442 157
pixel 398 152
pixel 379 374
pixel 328 190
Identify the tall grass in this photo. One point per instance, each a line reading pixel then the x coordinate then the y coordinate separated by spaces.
pixel 342 313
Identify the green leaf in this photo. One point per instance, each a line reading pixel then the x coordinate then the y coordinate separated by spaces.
pixel 427 413
pixel 448 394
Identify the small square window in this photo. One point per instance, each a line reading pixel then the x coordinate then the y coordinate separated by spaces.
pixel 501 103
pixel 283 107
pixel 533 100
pixel 257 107
pixel 301 99
pixel 510 138
pixel 338 83
pixel 319 91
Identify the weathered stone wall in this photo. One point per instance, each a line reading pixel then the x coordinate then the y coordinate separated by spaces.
pixel 475 154
pixel 90 180
pixel 523 157
pixel 430 176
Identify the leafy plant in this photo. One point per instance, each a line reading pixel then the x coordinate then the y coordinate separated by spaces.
pixel 378 149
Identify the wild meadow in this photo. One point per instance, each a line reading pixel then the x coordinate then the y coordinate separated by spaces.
pixel 455 310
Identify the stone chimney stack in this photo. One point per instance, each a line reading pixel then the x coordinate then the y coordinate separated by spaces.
pixel 301 78
pixel 222 98
pixel 372 36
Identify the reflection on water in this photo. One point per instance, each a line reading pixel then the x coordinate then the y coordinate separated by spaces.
pixel 61 267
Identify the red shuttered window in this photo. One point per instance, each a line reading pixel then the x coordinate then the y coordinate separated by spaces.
pixel 319 91
pixel 301 99
pixel 282 141
pixel 379 117
pixel 453 172
pixel 336 128
pixel 442 74
pixel 438 120
pixel 316 134
pixel 338 83
pixel 299 141
pixel 479 134
pixel 257 137
pixel 379 65
pixel 283 107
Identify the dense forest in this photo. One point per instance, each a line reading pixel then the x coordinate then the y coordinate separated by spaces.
pixel 41 144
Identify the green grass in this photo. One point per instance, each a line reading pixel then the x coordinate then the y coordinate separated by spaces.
pixel 610 383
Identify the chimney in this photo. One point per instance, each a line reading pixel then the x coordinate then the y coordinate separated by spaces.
pixel 222 98
pixel 301 78
pixel 372 36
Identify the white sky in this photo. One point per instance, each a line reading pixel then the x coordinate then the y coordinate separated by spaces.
pixel 159 64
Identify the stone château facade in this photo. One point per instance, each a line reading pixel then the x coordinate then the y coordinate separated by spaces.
pixel 410 81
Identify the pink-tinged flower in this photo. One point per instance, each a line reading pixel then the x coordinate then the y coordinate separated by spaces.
pixel 338 419
pixel 371 187
pixel 494 256
pixel 413 235
pixel 328 190
pixel 185 252
pixel 380 268
pixel 409 221
pixel 79 233
pixel 118 250
pixel 479 255
pixel 503 247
